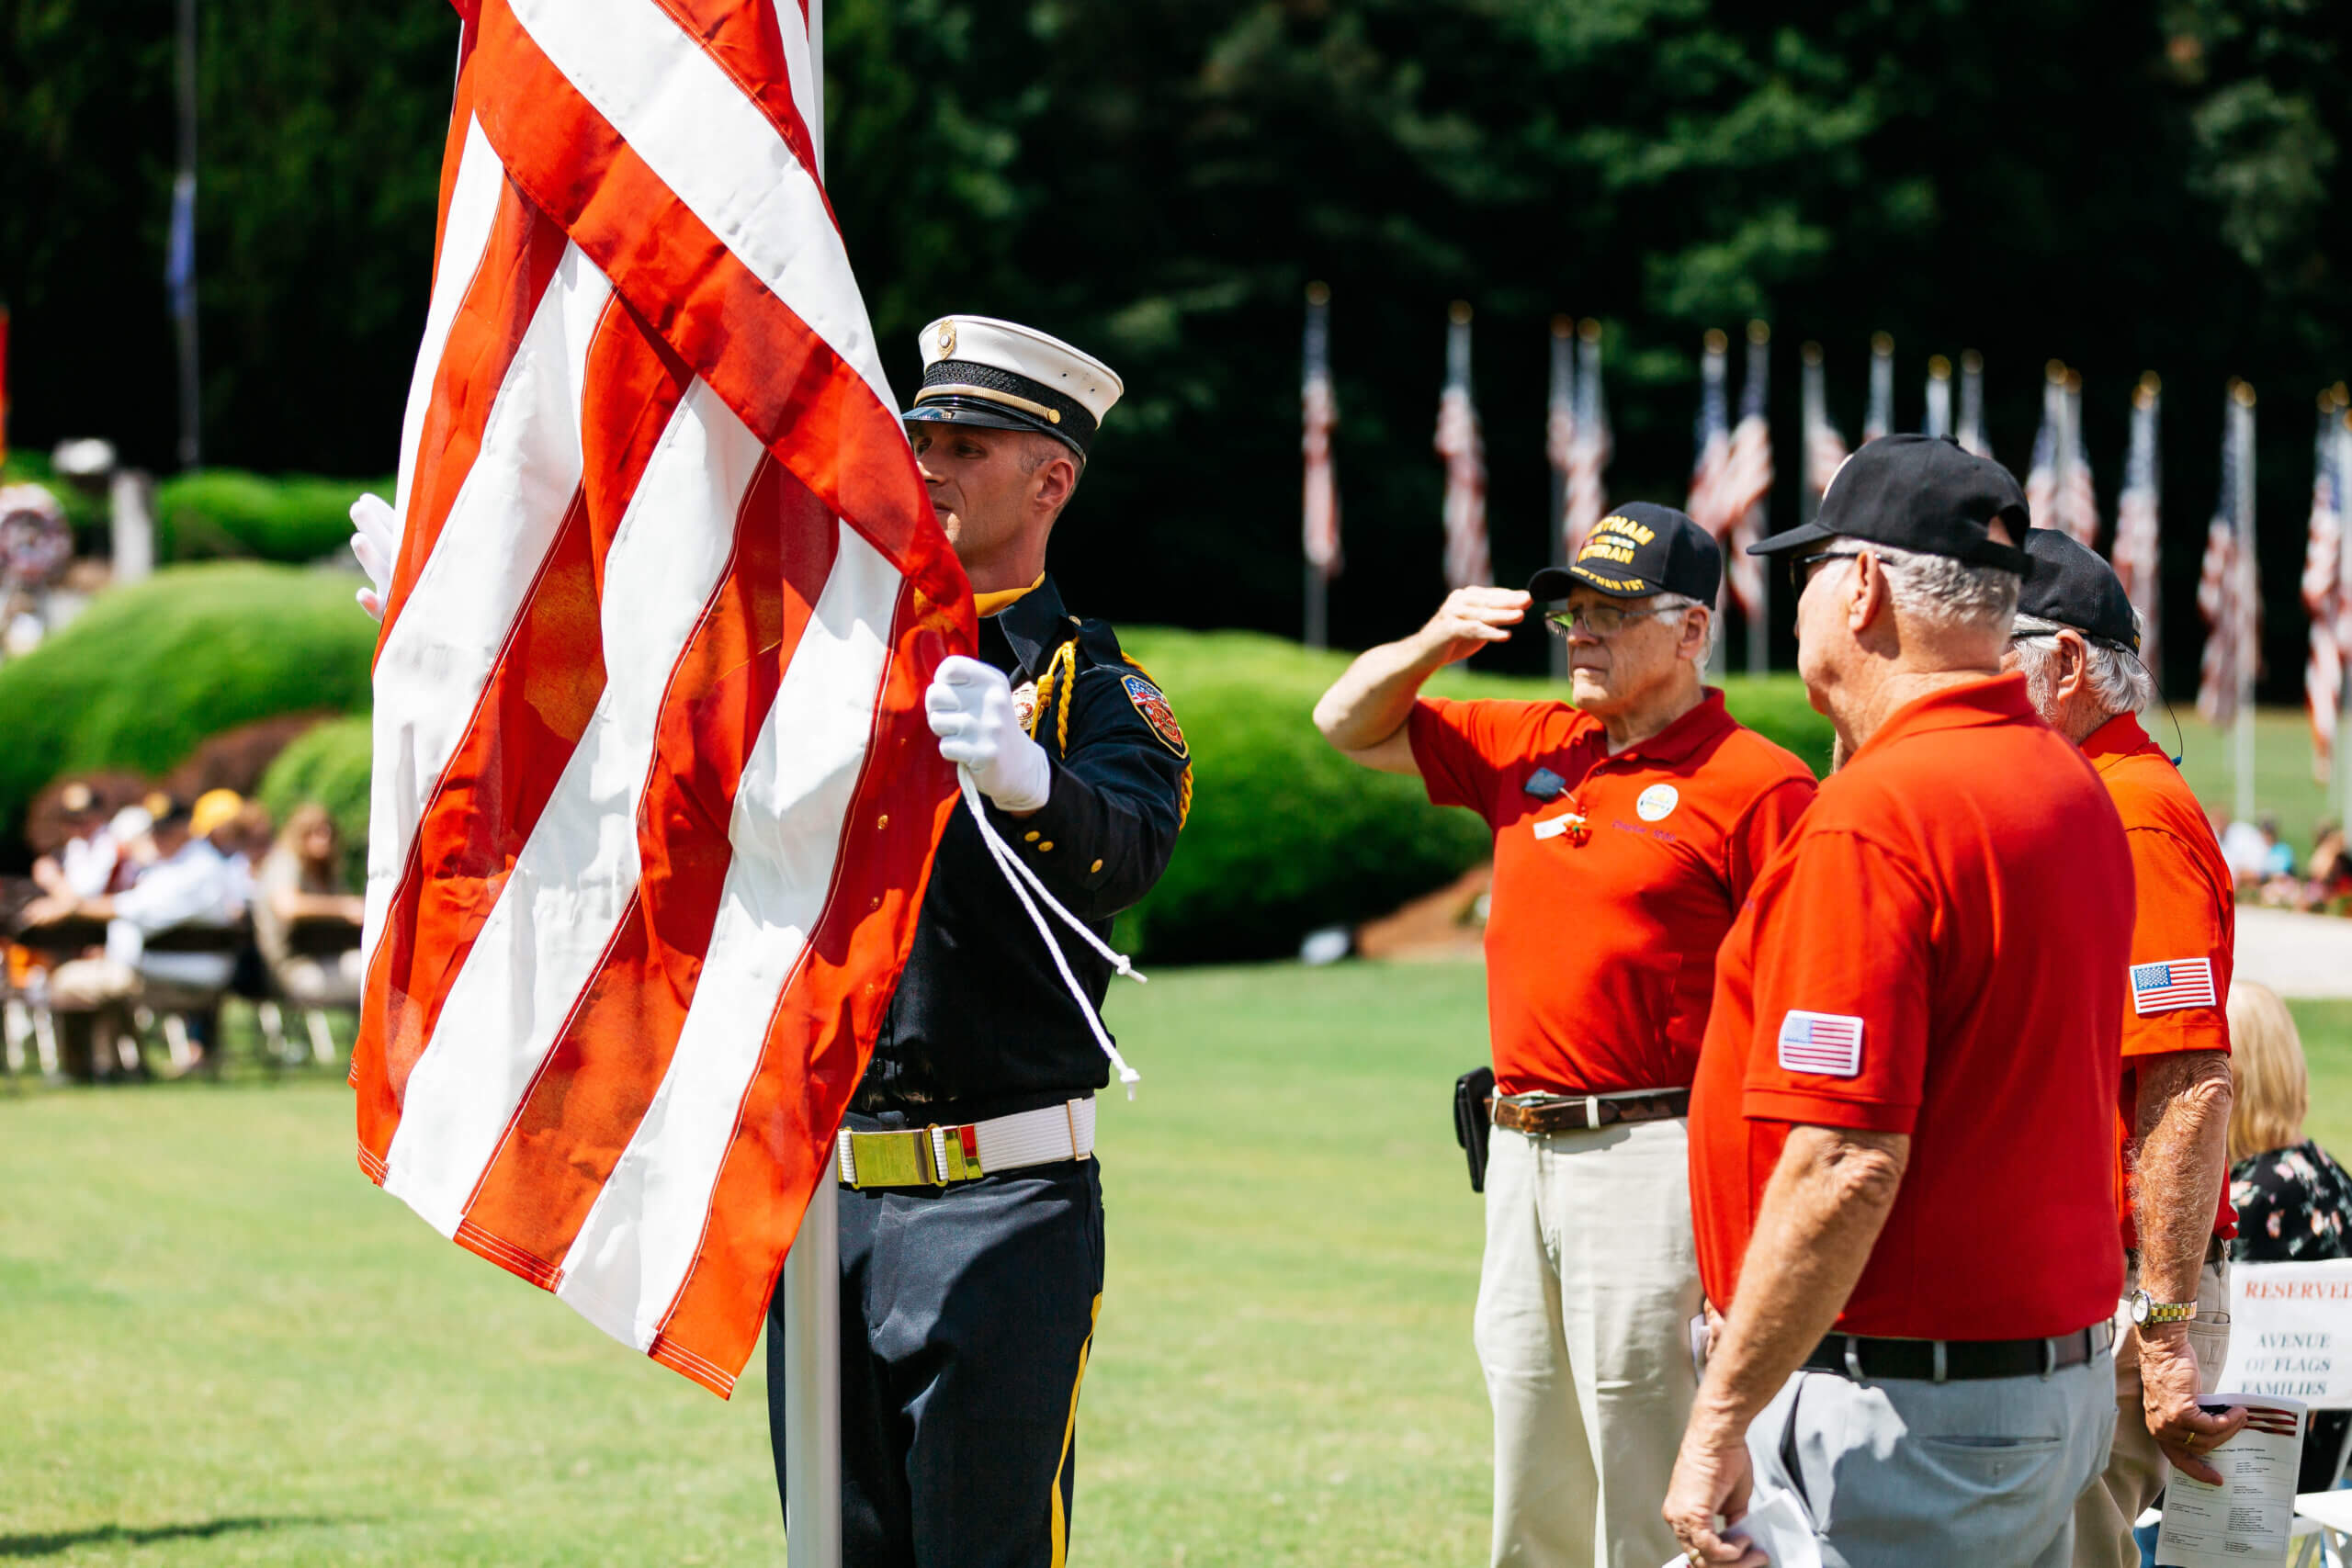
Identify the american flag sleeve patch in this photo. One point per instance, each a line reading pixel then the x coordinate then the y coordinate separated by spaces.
pixel 1829 1043
pixel 2172 983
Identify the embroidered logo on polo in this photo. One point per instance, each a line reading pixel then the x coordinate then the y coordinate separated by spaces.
pixel 1153 706
pixel 1829 1043
pixel 1657 802
pixel 2170 983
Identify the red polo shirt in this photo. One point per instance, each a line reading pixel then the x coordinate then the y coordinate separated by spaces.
pixel 1937 951
pixel 1600 939
pixel 2184 940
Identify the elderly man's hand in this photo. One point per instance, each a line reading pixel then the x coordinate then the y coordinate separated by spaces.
pixel 2168 1382
pixel 1712 1476
pixel 1470 618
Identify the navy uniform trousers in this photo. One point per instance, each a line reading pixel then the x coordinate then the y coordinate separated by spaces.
pixel 966 1316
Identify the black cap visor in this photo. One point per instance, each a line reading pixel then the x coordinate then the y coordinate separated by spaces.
pixel 971 413
pixel 1554 583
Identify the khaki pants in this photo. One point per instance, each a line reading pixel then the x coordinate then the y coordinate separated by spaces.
pixel 1585 1300
pixel 85 984
pixel 2136 1469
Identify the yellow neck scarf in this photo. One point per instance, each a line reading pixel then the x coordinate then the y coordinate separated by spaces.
pixel 986 604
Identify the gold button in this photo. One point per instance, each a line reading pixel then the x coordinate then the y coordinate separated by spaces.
pixel 881 822
pixel 1048 845
pixel 1096 867
pixel 1031 836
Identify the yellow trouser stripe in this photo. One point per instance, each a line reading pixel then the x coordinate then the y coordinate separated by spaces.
pixel 1070 1430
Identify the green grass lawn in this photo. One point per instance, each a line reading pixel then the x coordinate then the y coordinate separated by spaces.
pixel 222 1346
pixel 2283 786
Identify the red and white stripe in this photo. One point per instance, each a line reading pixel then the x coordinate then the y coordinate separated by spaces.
pixel 2324 597
pixel 653 796
pixel 2217 666
pixel 1320 516
pixel 1459 442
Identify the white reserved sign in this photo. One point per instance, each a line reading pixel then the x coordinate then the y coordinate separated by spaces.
pixel 2291 1332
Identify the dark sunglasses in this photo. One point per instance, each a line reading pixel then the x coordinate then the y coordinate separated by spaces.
pixel 1800 568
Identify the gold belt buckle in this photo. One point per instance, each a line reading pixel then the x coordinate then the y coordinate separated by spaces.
pixel 928 1156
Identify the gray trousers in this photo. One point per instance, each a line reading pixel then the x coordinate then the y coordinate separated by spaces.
pixel 1904 1474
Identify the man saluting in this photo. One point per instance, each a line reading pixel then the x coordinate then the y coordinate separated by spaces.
pixel 971 1213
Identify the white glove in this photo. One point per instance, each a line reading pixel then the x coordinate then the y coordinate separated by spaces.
pixel 376 540
pixel 970 707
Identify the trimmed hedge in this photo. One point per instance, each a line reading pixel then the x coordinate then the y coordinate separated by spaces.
pixel 150 671
pixel 227 511
pixel 1286 834
pixel 329 764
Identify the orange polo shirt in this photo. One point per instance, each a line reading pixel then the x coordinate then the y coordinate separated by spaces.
pixel 1937 951
pixel 1602 938
pixel 2184 940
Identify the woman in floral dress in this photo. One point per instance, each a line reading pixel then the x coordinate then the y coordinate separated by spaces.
pixel 2294 1202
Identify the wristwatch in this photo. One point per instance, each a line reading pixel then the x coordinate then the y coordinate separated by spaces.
pixel 2149 1312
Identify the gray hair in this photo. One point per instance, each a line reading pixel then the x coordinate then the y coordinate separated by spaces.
pixel 1940 592
pixel 1684 602
pixel 2116 679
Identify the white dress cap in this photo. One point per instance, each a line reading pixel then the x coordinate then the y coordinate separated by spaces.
pixel 1024 352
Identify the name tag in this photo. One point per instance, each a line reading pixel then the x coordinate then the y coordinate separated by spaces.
pixel 1552 829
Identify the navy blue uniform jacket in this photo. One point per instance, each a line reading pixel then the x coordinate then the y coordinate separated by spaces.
pixel 982 1020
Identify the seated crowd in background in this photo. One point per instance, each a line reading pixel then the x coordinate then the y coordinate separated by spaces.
pixel 163 866
pixel 2294 1202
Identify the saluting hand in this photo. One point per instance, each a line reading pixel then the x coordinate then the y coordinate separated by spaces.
pixel 2168 1381
pixel 969 705
pixel 1470 618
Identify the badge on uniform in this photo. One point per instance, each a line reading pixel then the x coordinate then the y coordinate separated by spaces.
pixel 1153 706
pixel 1829 1043
pixel 1025 707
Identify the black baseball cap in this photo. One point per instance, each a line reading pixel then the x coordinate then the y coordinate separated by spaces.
pixel 1635 550
pixel 2074 587
pixel 1921 493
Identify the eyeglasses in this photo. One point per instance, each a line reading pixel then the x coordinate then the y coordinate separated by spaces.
pixel 1604 620
pixel 1801 567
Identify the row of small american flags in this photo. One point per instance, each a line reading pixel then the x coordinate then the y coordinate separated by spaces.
pixel 1733 473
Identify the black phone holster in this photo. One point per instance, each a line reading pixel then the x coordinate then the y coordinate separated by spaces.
pixel 1473 1121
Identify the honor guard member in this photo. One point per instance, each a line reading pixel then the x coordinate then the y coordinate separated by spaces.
pixel 1901 1134
pixel 2077 644
pixel 971 1212
pixel 1628 829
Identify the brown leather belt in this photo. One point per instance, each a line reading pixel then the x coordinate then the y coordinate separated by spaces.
pixel 1583 1113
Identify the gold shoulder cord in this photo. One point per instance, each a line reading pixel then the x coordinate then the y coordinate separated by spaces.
pixel 1184 790
pixel 1060 679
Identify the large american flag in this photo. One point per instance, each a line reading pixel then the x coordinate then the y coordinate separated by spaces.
pixel 1320 411
pixel 2324 593
pixel 654 798
pixel 1747 479
pixel 2041 475
pixel 2138 509
pixel 1588 450
pixel 1463 449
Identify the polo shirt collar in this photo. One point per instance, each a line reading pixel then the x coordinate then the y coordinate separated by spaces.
pixel 2119 737
pixel 1995 699
pixel 1677 740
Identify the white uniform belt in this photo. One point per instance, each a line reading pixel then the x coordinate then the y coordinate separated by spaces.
pixel 942 1152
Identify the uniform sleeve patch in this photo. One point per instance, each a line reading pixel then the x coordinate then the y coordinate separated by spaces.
pixel 1829 1043
pixel 1152 704
pixel 2170 983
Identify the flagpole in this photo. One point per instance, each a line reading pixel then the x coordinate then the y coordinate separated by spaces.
pixel 1318 583
pixel 2341 452
pixel 1562 395
pixel 810 1283
pixel 181 262
pixel 2249 579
